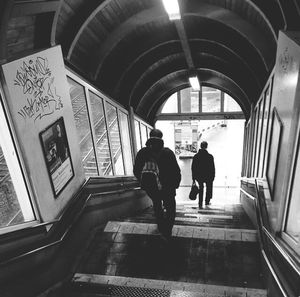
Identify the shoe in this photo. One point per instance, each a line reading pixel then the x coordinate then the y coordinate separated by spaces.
pixel 200 206
pixel 207 203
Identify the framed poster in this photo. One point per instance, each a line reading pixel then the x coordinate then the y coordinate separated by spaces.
pixel 274 148
pixel 57 155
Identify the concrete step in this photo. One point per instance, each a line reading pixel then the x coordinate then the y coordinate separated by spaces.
pixel 105 285
pixel 248 235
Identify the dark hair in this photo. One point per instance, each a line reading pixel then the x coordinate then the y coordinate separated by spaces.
pixel 156 133
pixel 203 145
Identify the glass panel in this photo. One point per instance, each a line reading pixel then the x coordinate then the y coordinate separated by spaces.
pixel 115 141
pixel 79 107
pixel 230 104
pixel 144 134
pixel 255 124
pixel 148 132
pixel 189 100
pixel 250 147
pixel 293 218
pixel 137 135
pixel 211 100
pixel 126 143
pixel 245 154
pixel 194 101
pixel 101 140
pixel 171 105
pixel 263 151
pixel 263 137
pixel 15 206
pixel 260 119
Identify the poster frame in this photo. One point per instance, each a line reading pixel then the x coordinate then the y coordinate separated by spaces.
pixel 55 166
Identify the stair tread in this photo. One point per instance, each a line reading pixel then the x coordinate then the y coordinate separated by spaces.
pixel 151 287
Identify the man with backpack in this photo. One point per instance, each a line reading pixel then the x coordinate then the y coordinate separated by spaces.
pixel 157 170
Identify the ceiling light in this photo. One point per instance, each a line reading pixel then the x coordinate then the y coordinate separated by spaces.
pixel 172 9
pixel 194 82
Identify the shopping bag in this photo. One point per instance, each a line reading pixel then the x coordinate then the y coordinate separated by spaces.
pixel 194 191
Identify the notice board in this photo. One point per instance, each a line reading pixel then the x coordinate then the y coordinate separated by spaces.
pixel 37 95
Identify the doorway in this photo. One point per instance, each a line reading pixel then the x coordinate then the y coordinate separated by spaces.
pixel 225 143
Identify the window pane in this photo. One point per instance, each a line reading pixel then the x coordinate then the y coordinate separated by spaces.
pixel 137 135
pixel 293 218
pixel 126 143
pixel 101 140
pixel 255 125
pixel 15 206
pixel 230 104
pixel 144 134
pixel 79 107
pixel 189 100
pixel 194 101
pixel 259 127
pixel 263 151
pixel 211 100
pixel 148 132
pixel 115 141
pixel 250 147
pixel 170 105
pixel 264 116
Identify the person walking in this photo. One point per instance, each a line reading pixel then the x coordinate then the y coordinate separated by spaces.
pixel 162 193
pixel 203 171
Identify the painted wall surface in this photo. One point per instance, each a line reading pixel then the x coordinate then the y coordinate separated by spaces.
pixel 37 94
pixel 283 99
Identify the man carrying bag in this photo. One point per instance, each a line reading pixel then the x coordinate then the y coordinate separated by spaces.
pixel 203 171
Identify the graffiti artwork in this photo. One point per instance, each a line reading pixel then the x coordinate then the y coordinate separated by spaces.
pixel 35 79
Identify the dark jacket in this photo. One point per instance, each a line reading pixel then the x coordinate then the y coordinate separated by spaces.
pixel 169 171
pixel 203 166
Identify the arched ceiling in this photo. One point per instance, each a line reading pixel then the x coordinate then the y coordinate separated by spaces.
pixel 131 50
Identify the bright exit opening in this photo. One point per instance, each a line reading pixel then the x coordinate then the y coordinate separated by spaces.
pixel 224 136
pixel 225 143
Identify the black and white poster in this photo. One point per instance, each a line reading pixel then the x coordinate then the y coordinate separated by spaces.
pixel 57 155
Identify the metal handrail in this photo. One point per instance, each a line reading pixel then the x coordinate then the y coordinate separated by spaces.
pixel 48 244
pixel 21 256
pixel 262 230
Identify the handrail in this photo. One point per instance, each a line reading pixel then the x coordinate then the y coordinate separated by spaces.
pixel 282 252
pixel 88 154
pixel 109 165
pixel 66 231
pixel 274 275
pixel 45 224
pixel 14 234
pixel 46 245
pixel 102 118
pixel 262 230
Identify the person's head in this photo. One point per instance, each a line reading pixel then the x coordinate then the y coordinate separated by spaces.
pixel 203 145
pixel 155 141
pixel 156 133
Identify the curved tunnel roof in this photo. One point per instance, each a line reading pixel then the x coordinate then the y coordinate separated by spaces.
pixel 131 51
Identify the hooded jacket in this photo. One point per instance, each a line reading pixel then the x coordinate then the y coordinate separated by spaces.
pixel 169 171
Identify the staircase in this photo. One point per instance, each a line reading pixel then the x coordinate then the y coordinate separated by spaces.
pixel 102 149
pixel 213 252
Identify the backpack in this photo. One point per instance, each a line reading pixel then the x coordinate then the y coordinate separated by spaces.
pixel 150 177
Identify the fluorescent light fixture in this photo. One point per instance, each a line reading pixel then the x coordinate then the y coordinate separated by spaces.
pixel 172 9
pixel 194 82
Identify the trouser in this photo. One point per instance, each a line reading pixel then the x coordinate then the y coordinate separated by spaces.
pixel 165 221
pixel 209 191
